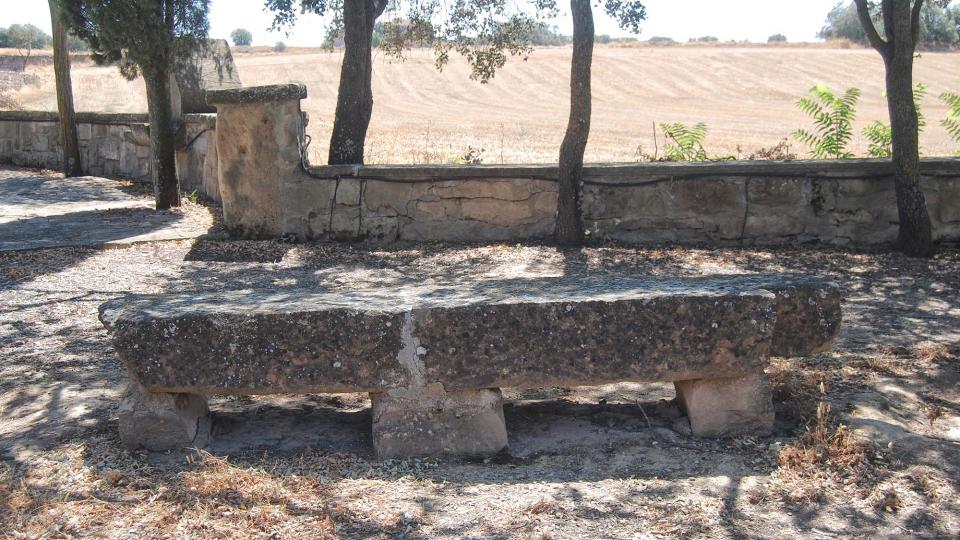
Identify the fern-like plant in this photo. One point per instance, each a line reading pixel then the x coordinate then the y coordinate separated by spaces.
pixel 687 143
pixel 952 122
pixel 832 117
pixel 880 135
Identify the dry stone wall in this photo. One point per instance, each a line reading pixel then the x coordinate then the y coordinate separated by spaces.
pixel 849 203
pixel 111 145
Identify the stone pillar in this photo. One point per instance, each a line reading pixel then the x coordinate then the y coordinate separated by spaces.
pixel 429 421
pixel 259 132
pixel 161 421
pixel 727 407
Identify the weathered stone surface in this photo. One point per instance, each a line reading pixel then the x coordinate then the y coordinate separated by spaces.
pixel 430 421
pixel 257 94
pixel 727 407
pixel 163 421
pixel 257 152
pixel 488 334
pixel 210 69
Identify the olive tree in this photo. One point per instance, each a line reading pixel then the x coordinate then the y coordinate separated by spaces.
pixel 901 28
pixel 484 32
pixel 146 37
pixel 628 13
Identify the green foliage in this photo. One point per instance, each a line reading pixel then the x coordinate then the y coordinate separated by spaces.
pixel 777 38
pixel 26 37
pixel 952 122
pixel 484 32
pixel 685 144
pixel 144 36
pixel 880 135
pixel 279 47
pixel 241 36
pixel 832 117
pixel 939 23
pixel 661 40
pixel 75 44
pixel 194 196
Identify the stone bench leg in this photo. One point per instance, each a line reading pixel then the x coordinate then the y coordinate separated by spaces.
pixel 727 407
pixel 161 421
pixel 429 421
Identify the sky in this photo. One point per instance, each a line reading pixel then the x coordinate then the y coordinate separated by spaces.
pixel 753 20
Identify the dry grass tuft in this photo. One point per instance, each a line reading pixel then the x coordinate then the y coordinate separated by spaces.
pixel 826 446
pixel 70 493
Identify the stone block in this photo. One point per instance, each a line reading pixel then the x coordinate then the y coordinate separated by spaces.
pixel 497 212
pixel 84 132
pixel 727 407
pixel 163 421
pixel 592 330
pixel 949 208
pixel 430 421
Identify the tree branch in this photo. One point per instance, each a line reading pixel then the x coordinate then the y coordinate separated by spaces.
pixel 915 22
pixel 863 10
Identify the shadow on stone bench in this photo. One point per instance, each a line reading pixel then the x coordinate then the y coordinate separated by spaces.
pixel 434 359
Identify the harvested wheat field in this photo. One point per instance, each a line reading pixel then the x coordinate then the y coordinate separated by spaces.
pixel 746 96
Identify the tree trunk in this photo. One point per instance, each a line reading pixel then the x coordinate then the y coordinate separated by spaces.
pixel 915 235
pixel 355 94
pixel 569 226
pixel 166 188
pixel 61 68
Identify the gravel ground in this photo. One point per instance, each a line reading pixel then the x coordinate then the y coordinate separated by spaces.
pixel 592 462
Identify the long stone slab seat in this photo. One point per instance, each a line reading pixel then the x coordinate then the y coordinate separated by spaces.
pixel 434 357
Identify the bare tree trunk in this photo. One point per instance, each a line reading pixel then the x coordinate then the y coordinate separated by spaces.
pixel 355 94
pixel 915 236
pixel 901 19
pixel 569 226
pixel 61 68
pixel 166 188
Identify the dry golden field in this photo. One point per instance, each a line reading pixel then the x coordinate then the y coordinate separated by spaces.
pixel 746 96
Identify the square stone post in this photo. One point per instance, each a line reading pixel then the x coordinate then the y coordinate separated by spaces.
pixel 259 136
pixel 727 407
pixel 159 421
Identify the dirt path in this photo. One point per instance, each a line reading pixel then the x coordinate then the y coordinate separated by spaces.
pixel 598 462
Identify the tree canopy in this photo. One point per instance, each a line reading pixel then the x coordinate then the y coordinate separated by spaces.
pixel 24 36
pixel 939 24
pixel 241 36
pixel 144 35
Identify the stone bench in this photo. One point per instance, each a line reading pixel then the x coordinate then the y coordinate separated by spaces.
pixel 434 358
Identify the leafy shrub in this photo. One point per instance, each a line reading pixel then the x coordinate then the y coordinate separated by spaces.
pixel 687 144
pixel 880 135
pixel 952 122
pixel 832 117
pixel 777 38
pixel 279 47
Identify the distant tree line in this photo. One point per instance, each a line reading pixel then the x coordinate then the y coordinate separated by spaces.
pixel 28 36
pixel 939 24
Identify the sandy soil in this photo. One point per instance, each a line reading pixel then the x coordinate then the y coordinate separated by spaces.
pixel 595 462
pixel 746 95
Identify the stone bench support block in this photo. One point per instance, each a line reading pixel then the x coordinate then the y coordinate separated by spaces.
pixel 430 422
pixel 160 421
pixel 727 407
